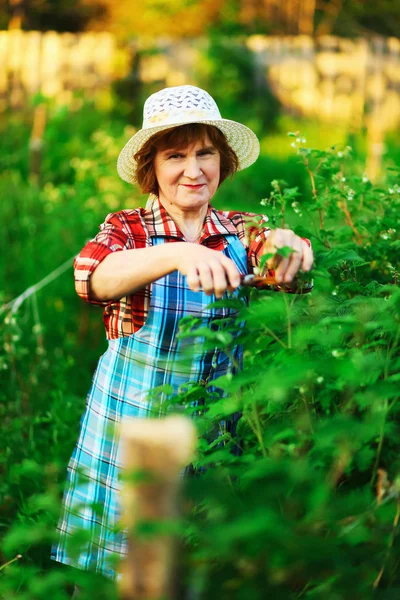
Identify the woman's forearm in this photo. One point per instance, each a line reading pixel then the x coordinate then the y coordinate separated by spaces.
pixel 123 273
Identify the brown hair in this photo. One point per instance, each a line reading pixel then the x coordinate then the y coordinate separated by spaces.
pixel 178 138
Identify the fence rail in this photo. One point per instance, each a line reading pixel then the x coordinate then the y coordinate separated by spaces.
pixel 55 64
pixel 338 80
pixel 329 77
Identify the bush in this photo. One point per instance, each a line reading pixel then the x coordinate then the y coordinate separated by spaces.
pixel 308 508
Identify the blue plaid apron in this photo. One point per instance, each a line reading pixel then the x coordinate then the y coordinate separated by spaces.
pixel 131 367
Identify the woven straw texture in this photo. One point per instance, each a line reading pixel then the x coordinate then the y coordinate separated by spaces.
pixel 180 105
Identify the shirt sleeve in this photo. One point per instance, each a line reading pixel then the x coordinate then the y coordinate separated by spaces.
pixel 113 237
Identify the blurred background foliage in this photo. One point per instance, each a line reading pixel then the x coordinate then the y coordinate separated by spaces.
pixel 183 18
pixel 304 512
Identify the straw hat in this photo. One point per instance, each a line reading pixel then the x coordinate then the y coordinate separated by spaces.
pixel 179 105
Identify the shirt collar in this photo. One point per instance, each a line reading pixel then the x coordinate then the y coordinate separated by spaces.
pixel 159 223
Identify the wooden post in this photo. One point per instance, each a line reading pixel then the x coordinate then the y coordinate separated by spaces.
pixel 36 141
pixel 306 17
pixel 376 86
pixel 4 42
pixel 17 14
pixel 160 448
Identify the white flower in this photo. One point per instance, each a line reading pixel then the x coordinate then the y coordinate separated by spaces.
pixel 334 293
pixel 320 379
pixel 302 389
pixel 298 140
pixel 293 145
pixel 303 140
pixel 391 191
pixel 340 154
pixel 365 178
pixel 337 353
pixel 343 179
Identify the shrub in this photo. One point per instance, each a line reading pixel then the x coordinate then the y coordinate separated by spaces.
pixel 304 501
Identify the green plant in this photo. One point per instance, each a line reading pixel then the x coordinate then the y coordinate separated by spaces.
pixel 309 507
pixel 303 501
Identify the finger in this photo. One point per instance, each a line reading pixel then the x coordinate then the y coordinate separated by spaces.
pixel 274 262
pixel 308 258
pixel 232 274
pixel 219 278
pixel 281 269
pixel 193 279
pixel 278 239
pixel 205 278
pixel 270 248
pixel 295 261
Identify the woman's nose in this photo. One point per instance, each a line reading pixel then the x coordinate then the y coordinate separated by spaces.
pixel 192 168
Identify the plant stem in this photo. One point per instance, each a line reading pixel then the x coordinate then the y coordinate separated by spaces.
pixel 308 412
pixel 314 191
pixel 348 218
pixel 387 406
pixel 232 358
pixel 391 540
pixel 381 438
pixel 10 562
pixel 273 335
pixel 289 322
pixel 256 429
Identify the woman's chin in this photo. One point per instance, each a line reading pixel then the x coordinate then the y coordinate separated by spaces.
pixel 192 199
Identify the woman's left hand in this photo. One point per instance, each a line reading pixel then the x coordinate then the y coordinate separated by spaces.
pixel 286 268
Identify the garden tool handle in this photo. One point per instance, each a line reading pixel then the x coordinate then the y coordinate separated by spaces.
pixel 258 280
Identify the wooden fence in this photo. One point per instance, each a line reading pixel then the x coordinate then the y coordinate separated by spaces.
pixel 356 82
pixel 327 77
pixel 55 64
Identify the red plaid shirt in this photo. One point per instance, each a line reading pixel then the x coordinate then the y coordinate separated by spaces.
pixel 130 229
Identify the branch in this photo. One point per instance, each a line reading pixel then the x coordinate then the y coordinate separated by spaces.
pixel 14 305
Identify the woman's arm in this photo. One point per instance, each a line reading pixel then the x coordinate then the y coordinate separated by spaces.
pixel 123 273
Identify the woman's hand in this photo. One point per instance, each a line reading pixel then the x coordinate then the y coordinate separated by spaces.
pixel 208 269
pixel 286 268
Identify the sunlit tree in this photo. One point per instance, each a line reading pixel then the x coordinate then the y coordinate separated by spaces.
pixel 157 18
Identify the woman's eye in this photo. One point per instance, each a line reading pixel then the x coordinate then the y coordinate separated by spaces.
pixel 201 153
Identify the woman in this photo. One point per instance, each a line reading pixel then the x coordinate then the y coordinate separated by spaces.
pixel 149 267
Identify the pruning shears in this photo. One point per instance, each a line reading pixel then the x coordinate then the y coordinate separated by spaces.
pixel 258 280
pixel 265 281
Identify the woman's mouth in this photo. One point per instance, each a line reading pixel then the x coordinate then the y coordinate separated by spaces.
pixel 193 187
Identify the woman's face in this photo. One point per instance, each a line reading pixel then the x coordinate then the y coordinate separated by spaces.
pixel 188 178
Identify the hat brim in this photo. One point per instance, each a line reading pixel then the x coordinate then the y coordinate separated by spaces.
pixel 241 139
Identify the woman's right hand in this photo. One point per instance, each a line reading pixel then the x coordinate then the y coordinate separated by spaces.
pixel 208 269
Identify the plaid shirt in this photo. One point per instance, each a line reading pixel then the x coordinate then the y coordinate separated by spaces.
pixel 130 229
